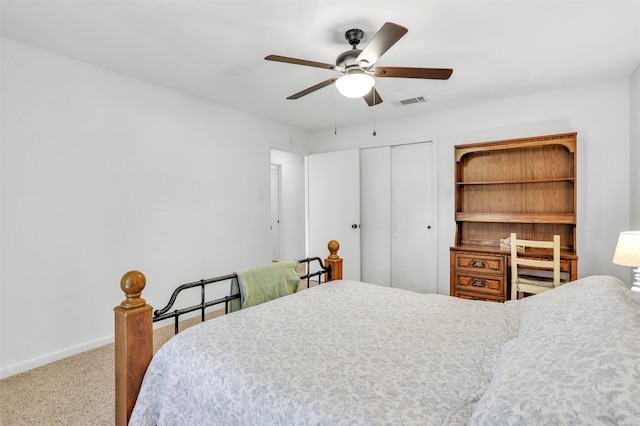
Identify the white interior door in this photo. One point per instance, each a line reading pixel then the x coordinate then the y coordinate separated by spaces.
pixel 375 214
pixel 275 211
pixel 413 237
pixel 334 207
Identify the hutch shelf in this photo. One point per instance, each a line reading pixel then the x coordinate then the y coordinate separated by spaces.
pixel 526 186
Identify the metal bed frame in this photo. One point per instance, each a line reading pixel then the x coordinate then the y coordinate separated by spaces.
pixel 163 314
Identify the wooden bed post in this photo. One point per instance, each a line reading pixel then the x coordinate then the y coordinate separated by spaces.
pixel 334 261
pixel 133 344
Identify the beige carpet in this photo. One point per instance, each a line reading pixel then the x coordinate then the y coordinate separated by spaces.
pixel 74 391
pixel 78 390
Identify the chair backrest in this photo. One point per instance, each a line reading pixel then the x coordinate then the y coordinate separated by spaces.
pixel 517 259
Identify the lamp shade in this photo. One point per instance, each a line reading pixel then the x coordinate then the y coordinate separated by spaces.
pixel 355 84
pixel 628 249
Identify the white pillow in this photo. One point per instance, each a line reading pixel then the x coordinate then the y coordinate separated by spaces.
pixel 588 297
pixel 575 360
pixel 580 373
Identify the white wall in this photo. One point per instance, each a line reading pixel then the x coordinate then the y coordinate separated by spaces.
pixel 634 157
pixel 600 115
pixel 101 174
pixel 292 215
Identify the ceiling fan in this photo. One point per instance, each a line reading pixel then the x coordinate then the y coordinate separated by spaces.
pixel 357 66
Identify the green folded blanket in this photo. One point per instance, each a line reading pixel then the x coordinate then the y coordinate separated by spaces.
pixel 264 283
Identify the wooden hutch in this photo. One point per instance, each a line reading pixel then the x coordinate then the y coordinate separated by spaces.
pixel 526 186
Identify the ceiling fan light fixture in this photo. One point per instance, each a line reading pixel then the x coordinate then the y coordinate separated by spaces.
pixel 355 84
pixel 358 66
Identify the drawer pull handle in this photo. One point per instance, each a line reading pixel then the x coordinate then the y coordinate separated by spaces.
pixel 478 282
pixel 478 263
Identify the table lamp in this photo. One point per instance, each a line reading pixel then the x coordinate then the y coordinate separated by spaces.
pixel 628 254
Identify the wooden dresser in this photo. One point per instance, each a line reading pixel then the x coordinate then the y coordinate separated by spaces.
pixel 526 186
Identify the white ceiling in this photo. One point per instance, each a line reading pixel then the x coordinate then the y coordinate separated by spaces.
pixel 215 49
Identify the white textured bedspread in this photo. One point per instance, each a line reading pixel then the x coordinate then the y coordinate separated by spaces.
pixel 341 353
pixel 348 353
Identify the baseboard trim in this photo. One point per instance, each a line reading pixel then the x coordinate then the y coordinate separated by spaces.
pixel 52 357
pixel 12 370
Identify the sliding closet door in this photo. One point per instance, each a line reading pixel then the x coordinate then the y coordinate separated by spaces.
pixel 334 207
pixel 375 213
pixel 413 238
pixel 397 203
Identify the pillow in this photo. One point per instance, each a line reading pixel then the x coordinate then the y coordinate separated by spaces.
pixel 588 297
pixel 580 373
pixel 576 359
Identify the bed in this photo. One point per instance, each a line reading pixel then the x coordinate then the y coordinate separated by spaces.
pixel 347 352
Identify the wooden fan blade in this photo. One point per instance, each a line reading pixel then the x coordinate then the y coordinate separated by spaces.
pixel 372 96
pixel 313 88
pixel 406 72
pixel 386 37
pixel 302 62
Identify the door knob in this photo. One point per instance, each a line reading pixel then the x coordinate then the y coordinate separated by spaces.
pixel 355 226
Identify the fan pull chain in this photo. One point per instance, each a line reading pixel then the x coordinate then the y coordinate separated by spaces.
pixel 335 111
pixel 374 111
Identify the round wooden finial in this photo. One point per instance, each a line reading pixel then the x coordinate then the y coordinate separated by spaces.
pixel 132 284
pixel 333 247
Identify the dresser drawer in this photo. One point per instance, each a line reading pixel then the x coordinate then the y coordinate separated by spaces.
pixel 485 284
pixel 566 266
pixel 478 275
pixel 476 296
pixel 479 263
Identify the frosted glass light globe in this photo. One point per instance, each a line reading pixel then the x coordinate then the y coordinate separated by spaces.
pixel 355 85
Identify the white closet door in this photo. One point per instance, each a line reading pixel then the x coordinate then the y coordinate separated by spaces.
pixel 334 207
pixel 375 213
pixel 413 238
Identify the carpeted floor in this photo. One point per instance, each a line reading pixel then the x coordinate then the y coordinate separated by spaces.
pixel 74 391
pixel 78 390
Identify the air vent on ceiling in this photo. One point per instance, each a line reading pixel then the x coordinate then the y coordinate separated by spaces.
pixel 417 100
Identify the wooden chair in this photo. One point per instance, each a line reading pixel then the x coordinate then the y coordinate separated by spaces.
pixel 533 284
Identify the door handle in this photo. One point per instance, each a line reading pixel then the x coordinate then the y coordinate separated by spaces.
pixel 355 226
